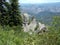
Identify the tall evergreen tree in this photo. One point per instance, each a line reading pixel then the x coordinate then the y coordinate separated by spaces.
pixel 10 13
pixel 15 16
pixel 2 12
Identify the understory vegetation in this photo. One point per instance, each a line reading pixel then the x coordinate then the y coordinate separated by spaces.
pixel 15 36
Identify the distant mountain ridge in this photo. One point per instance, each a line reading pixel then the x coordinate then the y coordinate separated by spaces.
pixel 46 7
pixel 43 12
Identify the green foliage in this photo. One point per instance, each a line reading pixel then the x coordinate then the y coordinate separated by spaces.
pixel 37 27
pixel 8 36
pixel 2 12
pixel 10 13
pixel 56 22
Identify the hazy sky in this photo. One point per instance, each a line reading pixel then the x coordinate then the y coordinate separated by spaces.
pixel 38 1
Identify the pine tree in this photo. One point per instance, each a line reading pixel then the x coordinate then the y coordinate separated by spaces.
pixel 10 13
pixel 15 16
pixel 2 12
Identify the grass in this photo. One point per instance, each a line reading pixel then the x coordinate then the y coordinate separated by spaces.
pixel 11 36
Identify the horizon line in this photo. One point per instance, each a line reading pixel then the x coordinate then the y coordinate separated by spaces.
pixel 40 3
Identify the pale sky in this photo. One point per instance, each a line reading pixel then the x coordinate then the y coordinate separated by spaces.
pixel 38 1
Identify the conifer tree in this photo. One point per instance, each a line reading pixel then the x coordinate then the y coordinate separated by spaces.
pixel 15 16
pixel 2 13
pixel 10 13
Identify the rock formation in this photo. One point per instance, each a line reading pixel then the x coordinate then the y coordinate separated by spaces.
pixel 33 24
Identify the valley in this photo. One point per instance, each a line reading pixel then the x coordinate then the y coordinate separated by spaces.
pixel 42 12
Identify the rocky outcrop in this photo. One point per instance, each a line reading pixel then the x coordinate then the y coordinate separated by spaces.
pixel 33 26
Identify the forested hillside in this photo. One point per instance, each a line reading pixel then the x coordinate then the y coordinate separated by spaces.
pixel 42 12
